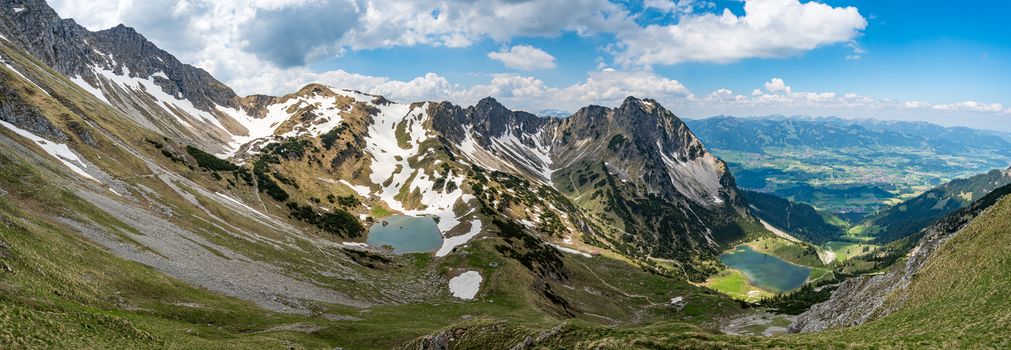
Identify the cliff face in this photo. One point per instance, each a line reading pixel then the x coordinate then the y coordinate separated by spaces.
pixel 76 52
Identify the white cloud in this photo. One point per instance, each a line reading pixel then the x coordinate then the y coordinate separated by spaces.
pixel 857 51
pixel 457 23
pixel 776 85
pixel 288 33
pixel 769 28
pixel 610 87
pixel 518 91
pixel 524 57
pixel 777 97
pixel 678 7
pixel 228 38
pixel 216 36
pixel 971 106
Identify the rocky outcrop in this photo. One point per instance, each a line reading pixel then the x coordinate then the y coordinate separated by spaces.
pixel 26 116
pixel 866 298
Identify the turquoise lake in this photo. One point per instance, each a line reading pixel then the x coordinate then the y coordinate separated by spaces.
pixel 766 271
pixel 406 234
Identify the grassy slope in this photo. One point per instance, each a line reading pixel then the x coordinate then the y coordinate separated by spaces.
pixel 909 217
pixel 735 284
pixel 797 253
pixel 93 299
pixel 89 298
pixel 61 291
pixel 800 220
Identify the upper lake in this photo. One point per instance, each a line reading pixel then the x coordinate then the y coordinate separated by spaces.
pixel 406 234
pixel 766 271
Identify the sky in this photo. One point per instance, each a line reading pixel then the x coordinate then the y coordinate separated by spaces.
pixel 937 61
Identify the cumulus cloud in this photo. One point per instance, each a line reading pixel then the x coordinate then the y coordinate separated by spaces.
pixel 524 57
pixel 288 36
pixel 776 85
pixel 290 32
pixel 678 7
pixel 262 46
pixel 611 86
pixel 457 23
pixel 220 36
pixel 768 28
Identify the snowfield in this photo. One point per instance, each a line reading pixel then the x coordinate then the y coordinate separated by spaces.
pixel 466 285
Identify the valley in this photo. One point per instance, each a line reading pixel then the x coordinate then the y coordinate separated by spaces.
pixel 847 169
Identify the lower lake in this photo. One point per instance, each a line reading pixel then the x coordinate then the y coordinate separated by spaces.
pixel 406 234
pixel 766 271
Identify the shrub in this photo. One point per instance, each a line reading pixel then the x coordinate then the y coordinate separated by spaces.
pixel 209 161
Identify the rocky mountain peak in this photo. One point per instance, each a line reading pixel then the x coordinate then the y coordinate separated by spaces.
pixel 128 34
pixel 653 125
pixel 314 88
pixel 491 105
pixel 491 118
pixel 78 52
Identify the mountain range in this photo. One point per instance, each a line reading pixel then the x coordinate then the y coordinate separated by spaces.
pixel 146 205
pixel 754 134
pixel 175 157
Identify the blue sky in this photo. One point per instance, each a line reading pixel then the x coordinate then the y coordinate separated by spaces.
pixel 928 60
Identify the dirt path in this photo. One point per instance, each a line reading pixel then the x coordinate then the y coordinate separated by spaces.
pixel 627 295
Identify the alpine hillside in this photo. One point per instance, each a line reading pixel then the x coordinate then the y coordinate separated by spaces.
pixel 144 204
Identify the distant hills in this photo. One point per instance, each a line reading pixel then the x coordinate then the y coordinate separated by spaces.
pixel 800 220
pixel 910 216
pixel 754 134
pixel 851 168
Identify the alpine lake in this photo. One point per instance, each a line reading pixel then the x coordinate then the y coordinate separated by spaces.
pixel 405 234
pixel 766 271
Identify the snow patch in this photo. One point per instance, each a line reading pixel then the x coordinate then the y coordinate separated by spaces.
pixel 452 242
pixel 361 190
pixel 90 89
pixel 356 245
pixel 466 285
pixel 58 150
pixel 9 66
pixel 171 104
pixel 388 156
pixel 536 159
pixel 570 250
